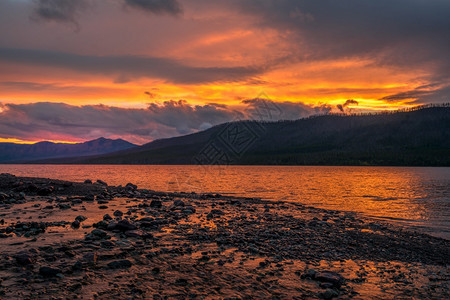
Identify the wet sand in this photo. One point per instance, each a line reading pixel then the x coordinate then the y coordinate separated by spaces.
pixel 64 240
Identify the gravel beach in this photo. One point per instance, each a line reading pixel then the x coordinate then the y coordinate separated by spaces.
pixel 67 240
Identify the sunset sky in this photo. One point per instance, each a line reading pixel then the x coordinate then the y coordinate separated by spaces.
pixel 75 70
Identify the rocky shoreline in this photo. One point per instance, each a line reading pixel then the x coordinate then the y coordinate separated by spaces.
pixel 66 240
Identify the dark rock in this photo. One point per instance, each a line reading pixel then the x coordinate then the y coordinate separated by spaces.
pixel 102 182
pixel 107 217
pixel 329 294
pixel 103 207
pixel 120 264
pixel 189 210
pixel 100 233
pixel 24 259
pixel 89 197
pixel 125 225
pixel 80 218
pixel 310 273
pixel 146 219
pixel 111 226
pixel 326 285
pixel 76 224
pixel 88 181
pixel 107 244
pixel 49 272
pixel 131 186
pixel 75 287
pixel 118 213
pixel 101 224
pixel 215 213
pixel 45 191
pixel 331 277
pixel 178 203
pixel 133 233
pixel 77 266
pixel 90 258
pixel 181 282
pixel 156 204
pixel 64 206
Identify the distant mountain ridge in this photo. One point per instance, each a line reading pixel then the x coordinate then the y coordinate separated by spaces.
pixel 406 138
pixel 18 153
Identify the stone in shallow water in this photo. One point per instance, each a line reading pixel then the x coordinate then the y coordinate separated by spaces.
pixel 215 213
pixel 49 272
pixel 118 213
pixel 329 294
pixel 24 259
pixel 80 218
pixel 156 204
pixel 125 225
pixel 102 182
pixel 178 203
pixel 76 224
pixel 131 186
pixel 133 233
pixel 120 264
pixel 331 277
pixel 99 233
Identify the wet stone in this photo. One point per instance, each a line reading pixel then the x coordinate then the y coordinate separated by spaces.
pixel 156 204
pixel 125 225
pixel 120 264
pixel 75 224
pixel 24 259
pixel 80 218
pixel 330 277
pixel 118 213
pixel 49 271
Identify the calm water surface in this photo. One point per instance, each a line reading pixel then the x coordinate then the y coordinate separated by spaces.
pixel 415 197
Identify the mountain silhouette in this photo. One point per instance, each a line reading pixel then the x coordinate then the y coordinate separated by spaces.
pixel 419 137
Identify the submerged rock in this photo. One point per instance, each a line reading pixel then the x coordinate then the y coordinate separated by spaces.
pixel 331 277
pixel 120 264
pixel 215 213
pixel 118 213
pixel 49 272
pixel 125 225
pixel 75 224
pixel 156 204
pixel 102 182
pixel 178 203
pixel 81 218
pixel 23 258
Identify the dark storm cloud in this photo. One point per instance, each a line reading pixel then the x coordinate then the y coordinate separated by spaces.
pixel 44 120
pixel 58 10
pixel 126 68
pixel 433 93
pixel 171 118
pixel 348 102
pixel 171 7
pixel 348 27
pixel 414 94
pixel 396 33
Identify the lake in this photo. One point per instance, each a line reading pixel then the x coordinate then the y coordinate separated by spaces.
pixel 418 198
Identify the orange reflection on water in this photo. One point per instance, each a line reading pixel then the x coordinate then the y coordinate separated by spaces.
pixel 415 197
